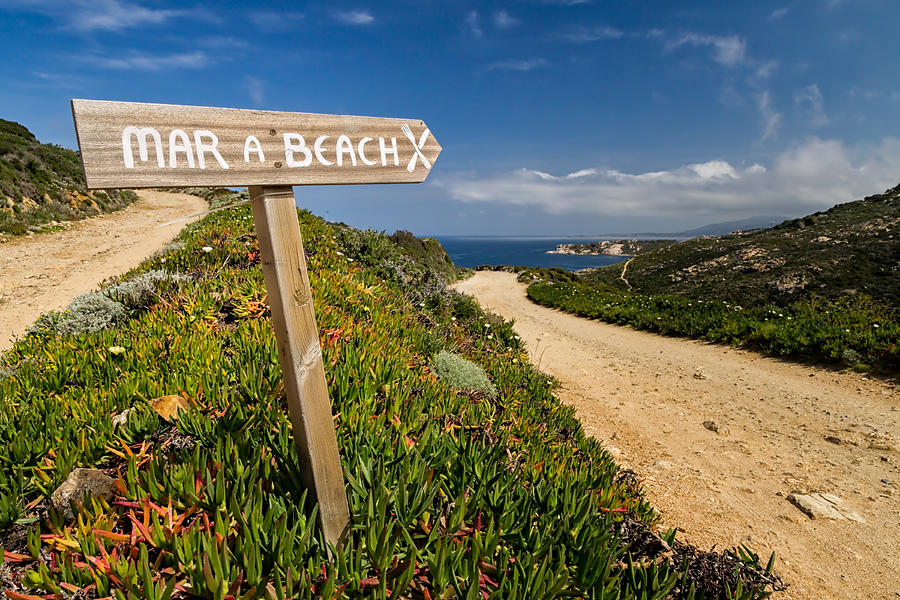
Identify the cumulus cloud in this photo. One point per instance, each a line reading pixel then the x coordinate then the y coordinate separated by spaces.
pixel 809 176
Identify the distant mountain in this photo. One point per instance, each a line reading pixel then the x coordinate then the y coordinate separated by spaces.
pixel 724 228
pixel 40 183
pixel 850 248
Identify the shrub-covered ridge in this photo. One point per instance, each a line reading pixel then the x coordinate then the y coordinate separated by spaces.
pixel 855 331
pixel 452 494
pixel 41 183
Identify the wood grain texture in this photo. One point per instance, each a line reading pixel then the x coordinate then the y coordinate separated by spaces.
pixel 104 149
pixel 297 335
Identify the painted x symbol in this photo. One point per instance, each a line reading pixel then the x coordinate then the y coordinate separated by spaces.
pixel 417 147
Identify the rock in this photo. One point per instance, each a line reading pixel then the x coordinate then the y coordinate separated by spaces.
pixel 77 484
pixel 715 427
pixel 168 406
pixel 834 440
pixel 815 507
pixel 823 506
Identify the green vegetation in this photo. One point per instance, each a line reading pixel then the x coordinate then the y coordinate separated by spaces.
pixel 854 331
pixel 850 248
pixel 463 374
pixel 615 248
pixel 41 183
pixel 452 495
pixel 823 288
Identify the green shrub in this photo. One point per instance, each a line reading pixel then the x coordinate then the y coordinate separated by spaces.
pixel 463 374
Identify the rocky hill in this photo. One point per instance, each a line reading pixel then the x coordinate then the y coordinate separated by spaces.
pixel 848 249
pixel 613 247
pixel 43 183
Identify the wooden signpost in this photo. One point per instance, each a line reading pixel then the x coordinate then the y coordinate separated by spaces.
pixel 135 145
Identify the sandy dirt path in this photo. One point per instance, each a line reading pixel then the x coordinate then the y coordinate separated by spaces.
pixel 47 271
pixel 646 397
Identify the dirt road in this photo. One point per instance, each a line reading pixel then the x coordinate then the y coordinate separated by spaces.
pixel 47 271
pixel 782 428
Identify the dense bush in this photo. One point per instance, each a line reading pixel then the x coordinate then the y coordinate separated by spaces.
pixel 451 495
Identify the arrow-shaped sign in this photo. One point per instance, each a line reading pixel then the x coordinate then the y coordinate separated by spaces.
pixel 135 145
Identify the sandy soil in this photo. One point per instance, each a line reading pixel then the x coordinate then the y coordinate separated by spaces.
pixel 47 271
pixel 646 398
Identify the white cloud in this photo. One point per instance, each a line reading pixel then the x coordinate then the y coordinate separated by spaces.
pixel 473 22
pixel 810 176
pixel 728 50
pixel 504 20
pixel 255 90
pixel 98 15
pixel 810 101
pixel 778 14
pixel 153 62
pixel 771 118
pixel 584 34
pixel 355 17
pixel 713 169
pixel 518 65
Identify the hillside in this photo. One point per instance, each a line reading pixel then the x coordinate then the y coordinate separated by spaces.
pixel 466 476
pixel 850 248
pixel 41 183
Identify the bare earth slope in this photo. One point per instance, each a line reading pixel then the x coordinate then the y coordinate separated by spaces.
pixel 47 271
pixel 647 398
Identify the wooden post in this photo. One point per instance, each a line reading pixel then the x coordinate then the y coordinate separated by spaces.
pixel 290 298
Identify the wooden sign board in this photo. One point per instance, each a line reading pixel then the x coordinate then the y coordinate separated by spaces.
pixel 132 145
pixel 136 145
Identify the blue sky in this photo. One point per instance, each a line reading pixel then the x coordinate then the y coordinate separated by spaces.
pixel 556 117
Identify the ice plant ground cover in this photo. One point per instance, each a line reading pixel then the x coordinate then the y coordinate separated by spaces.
pixel 855 331
pixel 452 494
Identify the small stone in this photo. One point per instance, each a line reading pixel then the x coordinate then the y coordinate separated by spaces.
pixel 613 451
pixel 121 418
pixel 887 481
pixel 168 406
pixel 77 484
pixel 715 427
pixel 834 440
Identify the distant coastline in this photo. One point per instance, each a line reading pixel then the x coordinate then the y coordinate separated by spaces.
pixel 621 248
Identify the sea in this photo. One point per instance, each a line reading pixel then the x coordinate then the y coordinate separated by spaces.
pixel 474 251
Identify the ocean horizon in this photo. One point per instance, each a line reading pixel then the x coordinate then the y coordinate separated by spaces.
pixel 530 251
